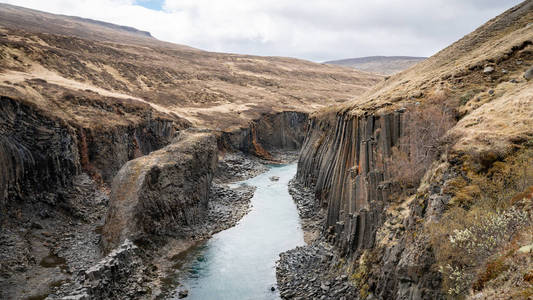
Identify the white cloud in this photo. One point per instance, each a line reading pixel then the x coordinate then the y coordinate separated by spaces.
pixel 310 29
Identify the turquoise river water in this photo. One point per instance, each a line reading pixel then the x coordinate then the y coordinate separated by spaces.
pixel 239 263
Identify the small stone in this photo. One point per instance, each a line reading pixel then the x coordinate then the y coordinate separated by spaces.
pixel 488 70
pixel 274 178
pixel 491 92
pixel 183 294
pixel 272 289
pixel 528 74
pixel 518 62
pixel 35 225
pixel 401 109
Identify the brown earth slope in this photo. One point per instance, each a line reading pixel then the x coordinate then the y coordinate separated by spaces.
pixel 427 177
pixel 385 65
pixel 208 89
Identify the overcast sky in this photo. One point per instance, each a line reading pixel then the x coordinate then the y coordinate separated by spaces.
pixel 316 30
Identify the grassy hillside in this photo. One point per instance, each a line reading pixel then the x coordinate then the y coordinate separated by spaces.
pixel 208 89
pixel 443 153
pixel 384 65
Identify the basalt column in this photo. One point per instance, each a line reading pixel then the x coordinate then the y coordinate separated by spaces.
pixel 345 158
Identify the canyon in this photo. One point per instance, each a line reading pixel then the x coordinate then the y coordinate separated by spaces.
pixel 117 154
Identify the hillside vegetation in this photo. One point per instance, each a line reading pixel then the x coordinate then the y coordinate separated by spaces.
pixel 385 65
pixel 214 90
pixel 427 177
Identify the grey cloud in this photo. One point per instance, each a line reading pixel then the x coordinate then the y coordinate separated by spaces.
pixel 316 30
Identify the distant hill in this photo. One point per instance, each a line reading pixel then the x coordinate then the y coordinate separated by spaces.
pixel 384 65
pixel 212 90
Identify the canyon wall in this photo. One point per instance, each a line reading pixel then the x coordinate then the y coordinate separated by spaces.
pixel 40 154
pixel 160 193
pixel 279 131
pixel 346 159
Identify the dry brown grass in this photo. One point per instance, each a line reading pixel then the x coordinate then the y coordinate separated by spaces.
pixel 213 90
pixel 488 209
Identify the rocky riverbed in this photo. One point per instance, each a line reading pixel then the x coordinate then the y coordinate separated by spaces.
pixel 236 166
pixel 310 272
pixel 306 272
pixel 132 271
pixel 57 252
pixel 311 215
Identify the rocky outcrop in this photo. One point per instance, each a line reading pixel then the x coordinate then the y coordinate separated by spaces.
pixel 116 276
pixel 280 131
pixel 158 193
pixel 104 151
pixel 309 272
pixel 38 154
pixel 41 154
pixel 345 158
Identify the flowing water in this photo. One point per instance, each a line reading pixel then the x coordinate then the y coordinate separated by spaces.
pixel 239 263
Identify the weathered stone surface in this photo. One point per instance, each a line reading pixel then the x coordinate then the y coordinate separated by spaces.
pixel 41 154
pixel 158 193
pixel 279 131
pixel 116 276
pixel 528 75
pixel 304 273
pixel 345 159
pixel 38 155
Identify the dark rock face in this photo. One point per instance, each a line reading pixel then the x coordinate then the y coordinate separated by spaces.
pixel 116 276
pixel 40 155
pixel 158 193
pixel 308 272
pixel 107 151
pixel 280 131
pixel 344 158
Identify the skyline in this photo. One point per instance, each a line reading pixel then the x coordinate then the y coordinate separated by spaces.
pixel 312 30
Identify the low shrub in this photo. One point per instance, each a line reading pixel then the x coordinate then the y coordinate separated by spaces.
pixel 465 249
pixel 421 142
pixel 486 212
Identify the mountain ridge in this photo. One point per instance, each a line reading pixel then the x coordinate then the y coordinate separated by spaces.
pixel 384 65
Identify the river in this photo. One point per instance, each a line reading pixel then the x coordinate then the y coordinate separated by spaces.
pixel 239 263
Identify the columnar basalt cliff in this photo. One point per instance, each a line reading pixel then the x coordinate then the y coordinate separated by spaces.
pixel 397 241
pixel 345 158
pixel 157 194
pixel 38 155
pixel 278 131
pixel 41 153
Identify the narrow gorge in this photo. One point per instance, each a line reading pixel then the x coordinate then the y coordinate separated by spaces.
pixel 121 242
pixel 132 168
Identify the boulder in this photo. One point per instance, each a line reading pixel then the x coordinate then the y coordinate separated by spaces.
pixel 160 193
pixel 274 178
pixel 528 74
pixel 488 70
